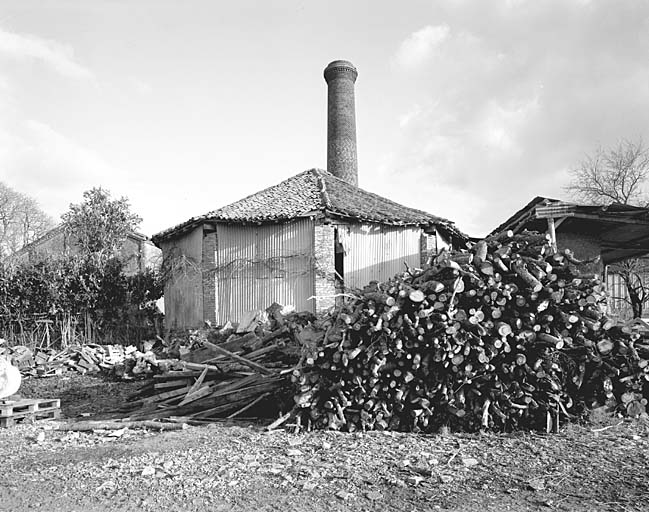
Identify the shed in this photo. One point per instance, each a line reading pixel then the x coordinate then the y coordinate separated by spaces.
pixel 296 243
pixel 614 232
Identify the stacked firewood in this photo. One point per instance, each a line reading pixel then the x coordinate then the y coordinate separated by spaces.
pixel 509 335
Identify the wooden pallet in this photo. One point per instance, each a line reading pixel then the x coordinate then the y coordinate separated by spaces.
pixel 28 410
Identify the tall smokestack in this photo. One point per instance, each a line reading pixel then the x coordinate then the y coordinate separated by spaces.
pixel 341 121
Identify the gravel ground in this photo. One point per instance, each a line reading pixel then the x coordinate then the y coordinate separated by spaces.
pixel 242 467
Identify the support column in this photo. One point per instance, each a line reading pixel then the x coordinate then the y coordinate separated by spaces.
pixel 325 267
pixel 208 268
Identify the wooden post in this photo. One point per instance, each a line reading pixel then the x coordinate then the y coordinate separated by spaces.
pixel 553 233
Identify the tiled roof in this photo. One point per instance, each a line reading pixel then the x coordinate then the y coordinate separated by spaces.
pixel 317 192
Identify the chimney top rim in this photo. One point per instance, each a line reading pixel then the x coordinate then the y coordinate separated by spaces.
pixel 340 67
pixel 340 63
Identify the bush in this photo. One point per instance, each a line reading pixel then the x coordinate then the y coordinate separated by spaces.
pixel 90 296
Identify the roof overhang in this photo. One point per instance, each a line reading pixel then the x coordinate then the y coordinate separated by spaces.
pixel 622 230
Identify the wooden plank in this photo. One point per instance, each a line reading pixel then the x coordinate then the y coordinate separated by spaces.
pixel 87 426
pixel 226 387
pixel 198 383
pixel 169 394
pixel 174 383
pixel 177 374
pixel 240 359
pixel 199 366
pixel 262 351
pixel 196 395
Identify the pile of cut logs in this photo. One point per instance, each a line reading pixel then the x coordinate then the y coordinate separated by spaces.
pixel 508 335
pixel 125 362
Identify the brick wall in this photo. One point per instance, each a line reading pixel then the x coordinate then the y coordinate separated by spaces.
pixel 584 246
pixel 325 281
pixel 208 264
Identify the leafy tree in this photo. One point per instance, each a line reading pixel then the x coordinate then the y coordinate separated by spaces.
pixel 21 221
pixel 99 225
pixel 618 175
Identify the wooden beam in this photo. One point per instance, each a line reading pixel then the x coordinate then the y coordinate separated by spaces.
pixel 553 233
pixel 606 256
pixel 558 222
pixel 631 245
pixel 590 216
pixel 243 360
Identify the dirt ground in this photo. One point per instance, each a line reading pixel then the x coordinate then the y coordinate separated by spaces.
pixel 241 467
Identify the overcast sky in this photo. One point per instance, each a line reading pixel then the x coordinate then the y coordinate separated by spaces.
pixel 465 109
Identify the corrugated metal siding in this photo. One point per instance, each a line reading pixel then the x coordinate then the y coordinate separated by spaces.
pixel 183 294
pixel 259 265
pixel 377 252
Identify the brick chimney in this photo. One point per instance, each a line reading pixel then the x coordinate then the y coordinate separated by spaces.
pixel 341 121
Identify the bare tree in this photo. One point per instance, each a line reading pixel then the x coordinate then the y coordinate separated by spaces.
pixel 618 175
pixel 21 221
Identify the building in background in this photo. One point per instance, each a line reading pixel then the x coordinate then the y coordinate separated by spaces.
pixel 138 251
pixel 614 233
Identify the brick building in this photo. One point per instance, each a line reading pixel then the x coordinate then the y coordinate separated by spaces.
pixel 299 242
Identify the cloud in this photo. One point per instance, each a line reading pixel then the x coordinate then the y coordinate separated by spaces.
pixel 420 45
pixel 501 124
pixel 59 57
pixel 409 116
pixel 45 164
pixel 140 86
pixel 35 158
pixel 516 98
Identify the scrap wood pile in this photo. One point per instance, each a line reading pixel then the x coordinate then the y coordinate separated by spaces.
pixel 229 371
pixel 125 362
pixel 510 335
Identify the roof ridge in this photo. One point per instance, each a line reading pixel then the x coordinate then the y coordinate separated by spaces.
pixel 322 185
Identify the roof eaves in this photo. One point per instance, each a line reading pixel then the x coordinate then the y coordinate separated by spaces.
pixel 523 215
